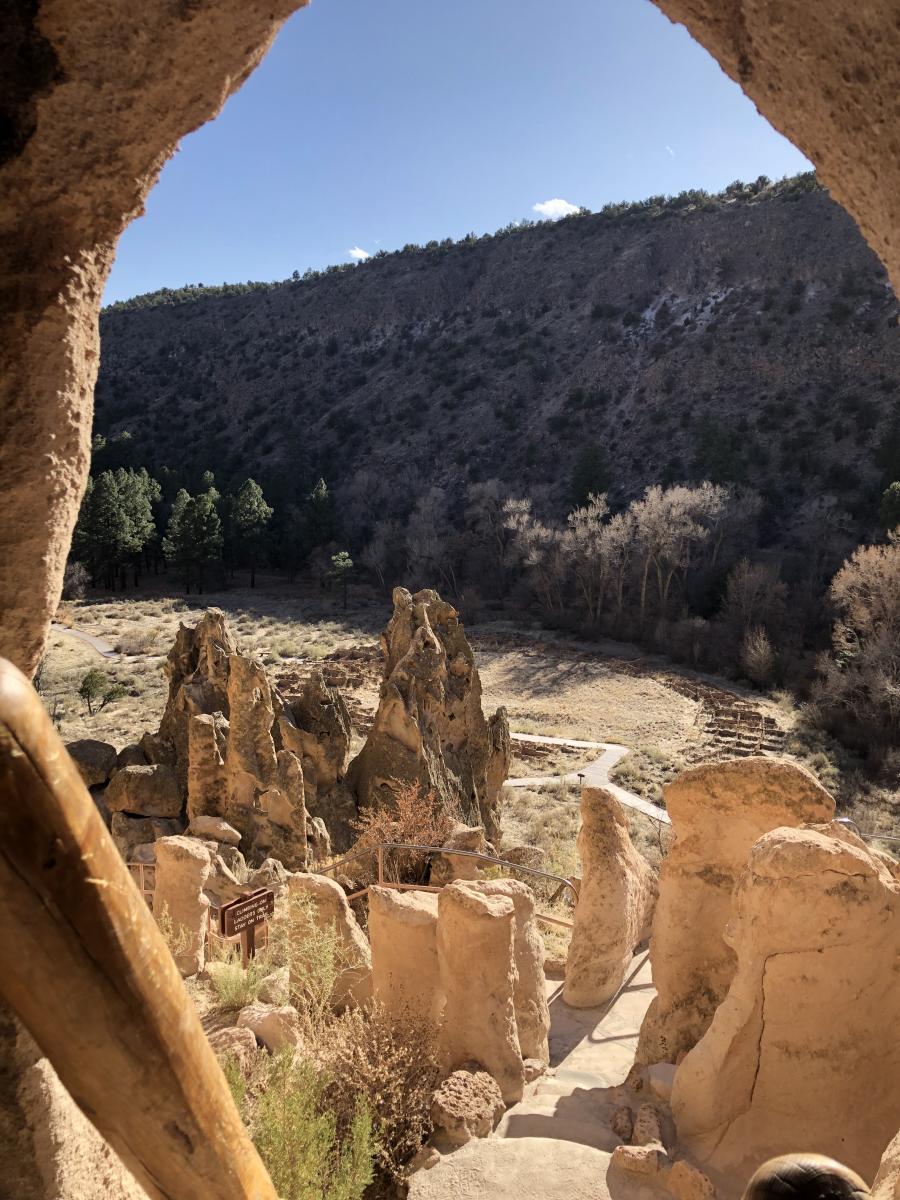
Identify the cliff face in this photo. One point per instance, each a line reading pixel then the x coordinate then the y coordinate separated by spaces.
pixel 754 339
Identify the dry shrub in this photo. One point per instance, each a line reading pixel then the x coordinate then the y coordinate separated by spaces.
pixel 314 958
pixel 391 1063
pixel 758 657
pixel 138 641
pixel 413 818
pixel 311 1151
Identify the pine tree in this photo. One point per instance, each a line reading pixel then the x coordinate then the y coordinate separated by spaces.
pixel 106 532
pixel 319 517
pixel 250 516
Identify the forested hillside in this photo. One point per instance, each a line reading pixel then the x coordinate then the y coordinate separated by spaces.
pixel 748 338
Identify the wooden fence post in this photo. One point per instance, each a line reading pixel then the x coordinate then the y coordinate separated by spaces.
pixel 85 968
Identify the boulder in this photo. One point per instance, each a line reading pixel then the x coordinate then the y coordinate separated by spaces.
pixel 616 898
pixel 526 856
pixel 476 955
pixel 95 760
pixel 236 1044
pixel 275 987
pixel 278 1028
pixel 403 935
pixel 467 1105
pixel 640 1160
pixel 271 874
pixel 718 811
pixel 802 1053
pixel 887 1180
pixel 318 840
pixel 329 908
pixel 686 1182
pixel 429 728
pixel 530 993
pixel 447 867
pixel 180 905
pixel 150 791
pixel 131 756
pixel 129 833
pixel 214 829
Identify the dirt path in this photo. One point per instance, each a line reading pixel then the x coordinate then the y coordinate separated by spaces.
pixel 594 774
pixel 103 648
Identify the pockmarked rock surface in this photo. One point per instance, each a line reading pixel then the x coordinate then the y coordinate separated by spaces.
pixel 467 1105
pixel 150 791
pixel 403 935
pixel 430 728
pixel 615 903
pixel 802 1052
pixel 183 866
pixel 530 991
pixel 887 1180
pixel 718 811
pixel 91 119
pixel 476 953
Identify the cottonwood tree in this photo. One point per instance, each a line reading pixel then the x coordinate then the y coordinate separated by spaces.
pixel 586 550
pixel 384 553
pixel 431 542
pixel 541 551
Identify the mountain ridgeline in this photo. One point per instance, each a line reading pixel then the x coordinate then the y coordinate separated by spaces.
pixel 746 338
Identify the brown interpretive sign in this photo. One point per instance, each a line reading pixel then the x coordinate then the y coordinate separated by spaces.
pixel 243 915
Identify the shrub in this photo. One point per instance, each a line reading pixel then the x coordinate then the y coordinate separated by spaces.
pixel 390 1063
pixel 75 581
pixel 310 1152
pixel 235 987
pixel 413 817
pixel 314 958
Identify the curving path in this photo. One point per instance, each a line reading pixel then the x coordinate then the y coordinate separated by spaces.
pixel 593 774
pixel 103 648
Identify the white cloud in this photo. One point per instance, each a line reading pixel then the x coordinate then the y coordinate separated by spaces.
pixel 671 151
pixel 358 254
pixel 554 209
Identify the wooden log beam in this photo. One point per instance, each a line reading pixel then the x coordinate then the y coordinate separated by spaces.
pixel 85 968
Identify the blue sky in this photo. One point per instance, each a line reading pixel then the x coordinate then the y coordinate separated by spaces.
pixel 373 123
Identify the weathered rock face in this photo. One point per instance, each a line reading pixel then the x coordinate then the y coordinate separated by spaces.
pixel 616 899
pixel 150 791
pixel 95 760
pixel 430 728
pixel 530 993
pixel 91 118
pixel 320 736
pixel 802 1053
pixel 183 866
pixel 445 868
pixel 131 832
pixel 467 1105
pixel 476 940
pixel 840 109
pixel 403 936
pixel 718 811
pixel 331 911
pixel 887 1181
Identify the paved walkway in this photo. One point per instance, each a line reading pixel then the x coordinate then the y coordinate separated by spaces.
pixel 103 648
pixel 593 774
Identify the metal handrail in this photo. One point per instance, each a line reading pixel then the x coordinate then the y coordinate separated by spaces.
pixel 380 847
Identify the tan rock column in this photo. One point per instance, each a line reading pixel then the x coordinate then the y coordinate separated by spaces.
pixel 618 890
pixel 532 1010
pixel 718 811
pixel 803 1052
pixel 403 934
pixel 183 866
pixel 476 937
pixel 331 910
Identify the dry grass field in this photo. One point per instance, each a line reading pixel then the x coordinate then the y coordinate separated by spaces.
pixel 550 687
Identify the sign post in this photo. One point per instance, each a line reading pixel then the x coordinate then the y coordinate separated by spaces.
pixel 243 915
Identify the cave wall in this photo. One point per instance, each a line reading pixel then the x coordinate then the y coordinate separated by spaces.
pixel 94 97
pixel 827 76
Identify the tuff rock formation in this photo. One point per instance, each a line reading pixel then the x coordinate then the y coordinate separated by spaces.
pixel 329 909
pixel 615 902
pixel 718 811
pixel 887 1181
pixel 430 728
pixel 231 749
pixel 180 903
pixel 476 953
pixel 403 936
pixel 90 118
pixel 94 759
pixel 802 1054
pixel 467 1105
pixel 529 993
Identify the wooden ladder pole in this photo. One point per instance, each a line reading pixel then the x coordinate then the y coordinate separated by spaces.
pixel 85 968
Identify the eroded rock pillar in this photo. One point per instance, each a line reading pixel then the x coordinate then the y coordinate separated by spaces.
pixel 403 934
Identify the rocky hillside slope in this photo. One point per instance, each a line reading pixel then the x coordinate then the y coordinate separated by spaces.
pixel 749 337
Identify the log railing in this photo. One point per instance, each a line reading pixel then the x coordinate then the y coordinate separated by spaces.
pixel 86 970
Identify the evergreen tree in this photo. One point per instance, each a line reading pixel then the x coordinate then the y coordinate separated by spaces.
pixel 590 475
pixel 341 570
pixel 319 518
pixel 250 516
pixel 890 507
pixel 105 530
